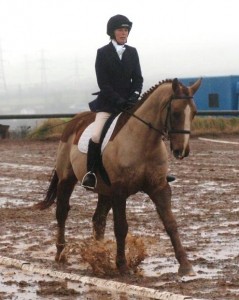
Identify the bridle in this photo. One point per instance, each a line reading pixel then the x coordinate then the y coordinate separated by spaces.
pixel 165 132
pixel 168 119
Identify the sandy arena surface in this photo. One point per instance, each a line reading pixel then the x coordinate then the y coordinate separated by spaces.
pixel 205 202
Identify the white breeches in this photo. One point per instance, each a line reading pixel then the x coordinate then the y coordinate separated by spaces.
pixel 100 119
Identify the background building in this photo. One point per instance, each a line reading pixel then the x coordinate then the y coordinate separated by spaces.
pixel 216 93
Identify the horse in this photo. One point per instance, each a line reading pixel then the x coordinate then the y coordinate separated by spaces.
pixel 135 159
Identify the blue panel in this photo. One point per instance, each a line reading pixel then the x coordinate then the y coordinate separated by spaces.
pixel 237 88
pixel 225 87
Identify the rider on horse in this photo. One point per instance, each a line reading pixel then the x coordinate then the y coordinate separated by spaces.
pixel 120 81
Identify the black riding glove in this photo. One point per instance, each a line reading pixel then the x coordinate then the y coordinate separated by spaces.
pixel 134 97
pixel 120 105
pixel 132 100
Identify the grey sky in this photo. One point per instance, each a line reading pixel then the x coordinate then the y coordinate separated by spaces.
pixel 174 38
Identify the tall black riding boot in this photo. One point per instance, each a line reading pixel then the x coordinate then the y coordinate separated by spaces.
pixel 89 181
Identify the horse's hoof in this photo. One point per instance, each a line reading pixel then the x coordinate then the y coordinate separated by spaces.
pixel 186 271
pixel 98 236
pixel 124 270
pixel 60 258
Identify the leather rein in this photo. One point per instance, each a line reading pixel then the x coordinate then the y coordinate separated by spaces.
pixel 165 132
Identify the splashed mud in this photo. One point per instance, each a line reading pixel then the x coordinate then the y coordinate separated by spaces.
pixel 205 202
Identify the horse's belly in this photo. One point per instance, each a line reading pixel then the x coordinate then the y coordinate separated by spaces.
pixel 78 162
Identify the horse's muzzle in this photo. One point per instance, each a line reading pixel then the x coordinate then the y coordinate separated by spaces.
pixel 178 154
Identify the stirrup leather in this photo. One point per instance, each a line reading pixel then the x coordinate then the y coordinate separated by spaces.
pixel 89 176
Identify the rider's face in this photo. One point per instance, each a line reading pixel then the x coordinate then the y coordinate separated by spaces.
pixel 121 35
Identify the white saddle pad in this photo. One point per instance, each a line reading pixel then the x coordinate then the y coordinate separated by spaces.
pixel 87 133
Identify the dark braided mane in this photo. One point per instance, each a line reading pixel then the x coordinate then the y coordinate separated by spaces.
pixel 150 91
pixel 126 115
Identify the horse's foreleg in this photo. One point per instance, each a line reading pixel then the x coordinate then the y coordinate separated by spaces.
pixel 99 218
pixel 120 230
pixel 162 200
pixel 64 191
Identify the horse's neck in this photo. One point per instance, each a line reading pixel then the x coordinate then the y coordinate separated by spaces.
pixel 151 112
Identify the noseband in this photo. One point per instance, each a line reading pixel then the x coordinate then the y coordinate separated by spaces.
pixel 168 119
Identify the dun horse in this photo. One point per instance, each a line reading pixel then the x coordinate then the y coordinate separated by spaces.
pixel 135 159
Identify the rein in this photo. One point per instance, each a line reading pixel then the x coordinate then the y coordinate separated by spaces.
pixel 149 124
pixel 164 132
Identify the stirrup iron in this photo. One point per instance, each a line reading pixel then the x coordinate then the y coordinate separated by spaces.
pixel 89 177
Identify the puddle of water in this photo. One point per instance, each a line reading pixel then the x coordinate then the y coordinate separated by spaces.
pixel 24 167
pixel 6 202
pixel 154 266
pixel 20 284
pixel 213 245
pixel 220 250
pixel 26 286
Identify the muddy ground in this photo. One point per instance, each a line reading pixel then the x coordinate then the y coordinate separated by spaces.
pixel 205 202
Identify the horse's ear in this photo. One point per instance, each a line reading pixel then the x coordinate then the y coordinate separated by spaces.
pixel 196 86
pixel 175 85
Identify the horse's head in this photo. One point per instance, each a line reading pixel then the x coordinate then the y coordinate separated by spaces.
pixel 181 110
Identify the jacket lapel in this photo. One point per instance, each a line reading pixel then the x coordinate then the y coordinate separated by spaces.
pixel 113 53
pixel 126 56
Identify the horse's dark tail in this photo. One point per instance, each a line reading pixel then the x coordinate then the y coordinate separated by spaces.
pixel 50 194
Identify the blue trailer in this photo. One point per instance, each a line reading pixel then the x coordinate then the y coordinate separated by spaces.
pixel 216 93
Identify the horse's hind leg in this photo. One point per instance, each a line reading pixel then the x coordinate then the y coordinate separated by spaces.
pixel 99 218
pixel 64 190
pixel 120 230
pixel 162 200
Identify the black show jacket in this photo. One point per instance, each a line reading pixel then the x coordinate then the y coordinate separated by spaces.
pixel 116 78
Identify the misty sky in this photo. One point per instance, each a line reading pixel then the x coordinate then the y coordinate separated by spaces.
pixel 173 38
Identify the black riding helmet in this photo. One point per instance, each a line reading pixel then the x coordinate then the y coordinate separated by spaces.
pixel 117 21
